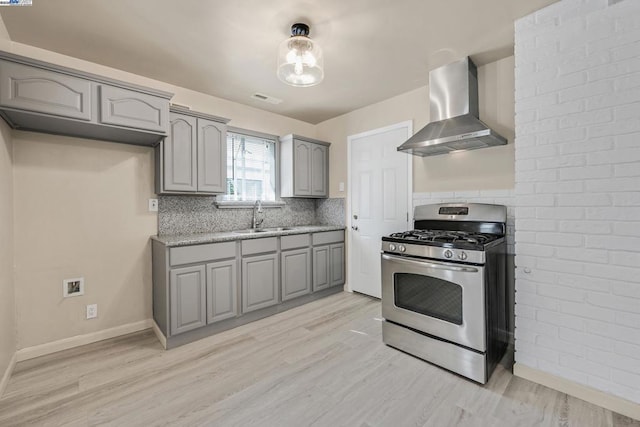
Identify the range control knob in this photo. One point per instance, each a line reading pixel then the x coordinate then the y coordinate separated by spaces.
pixel 392 247
pixel 462 255
pixel 401 248
pixel 448 253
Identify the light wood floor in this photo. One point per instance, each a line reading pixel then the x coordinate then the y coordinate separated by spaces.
pixel 322 364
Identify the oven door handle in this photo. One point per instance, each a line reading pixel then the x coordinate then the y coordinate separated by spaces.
pixel 428 264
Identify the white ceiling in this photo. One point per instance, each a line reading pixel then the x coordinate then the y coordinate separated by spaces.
pixel 374 49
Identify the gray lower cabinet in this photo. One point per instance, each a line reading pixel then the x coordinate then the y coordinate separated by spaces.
pixel 336 255
pixel 43 97
pixel 193 157
pixel 328 259
pixel 259 282
pixel 321 268
pixel 221 290
pixel 188 298
pixel 295 266
pixel 213 286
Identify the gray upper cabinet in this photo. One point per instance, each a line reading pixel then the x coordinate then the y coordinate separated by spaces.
pixel 188 303
pixel 304 167
pixel 212 156
pixel 319 170
pixel 43 91
pixel 127 108
pixel 193 157
pixel 43 97
pixel 179 151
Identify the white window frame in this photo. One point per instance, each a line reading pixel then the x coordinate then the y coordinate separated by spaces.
pixel 222 202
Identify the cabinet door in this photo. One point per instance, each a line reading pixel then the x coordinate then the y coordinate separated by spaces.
pixel 122 107
pixel 180 155
pixel 301 168
pixel 259 282
pixel 221 290
pixel 321 268
pixel 296 273
pixel 212 156
pixel 319 170
pixel 33 89
pixel 337 264
pixel 188 304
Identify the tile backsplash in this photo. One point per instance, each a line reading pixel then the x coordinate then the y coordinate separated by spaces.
pixel 188 214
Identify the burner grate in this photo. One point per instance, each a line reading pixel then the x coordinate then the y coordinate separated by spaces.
pixel 445 236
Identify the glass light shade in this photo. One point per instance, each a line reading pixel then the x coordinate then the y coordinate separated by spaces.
pixel 300 62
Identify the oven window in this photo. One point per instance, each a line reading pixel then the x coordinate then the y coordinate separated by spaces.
pixel 428 296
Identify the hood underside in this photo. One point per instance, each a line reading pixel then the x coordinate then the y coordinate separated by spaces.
pixel 453 97
pixel 457 133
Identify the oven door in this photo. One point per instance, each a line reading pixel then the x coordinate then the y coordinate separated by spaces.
pixel 442 299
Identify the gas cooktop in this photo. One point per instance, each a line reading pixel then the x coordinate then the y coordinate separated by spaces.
pixel 444 238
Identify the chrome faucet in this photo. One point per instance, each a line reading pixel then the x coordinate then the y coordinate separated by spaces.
pixel 257 208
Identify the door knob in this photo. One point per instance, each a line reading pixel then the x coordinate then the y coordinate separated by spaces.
pixel 355 217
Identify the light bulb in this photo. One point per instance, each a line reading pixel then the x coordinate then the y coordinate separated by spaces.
pixel 298 68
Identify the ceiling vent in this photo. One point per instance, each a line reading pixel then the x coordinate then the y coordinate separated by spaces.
pixel 266 98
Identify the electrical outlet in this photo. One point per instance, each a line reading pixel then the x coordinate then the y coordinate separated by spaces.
pixel 153 205
pixel 341 187
pixel 92 311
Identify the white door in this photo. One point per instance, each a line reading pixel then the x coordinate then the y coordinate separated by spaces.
pixel 379 200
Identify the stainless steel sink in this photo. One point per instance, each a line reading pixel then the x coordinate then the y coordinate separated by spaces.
pixel 251 231
pixel 262 230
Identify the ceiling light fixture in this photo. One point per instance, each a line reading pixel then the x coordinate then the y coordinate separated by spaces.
pixel 300 61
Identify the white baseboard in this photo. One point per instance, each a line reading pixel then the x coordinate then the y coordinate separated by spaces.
pixel 67 343
pixel 586 393
pixel 159 334
pixel 7 374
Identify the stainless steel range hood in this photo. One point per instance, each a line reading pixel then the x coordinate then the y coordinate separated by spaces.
pixel 453 99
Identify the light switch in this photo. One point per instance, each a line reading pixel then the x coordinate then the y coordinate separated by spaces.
pixel 341 187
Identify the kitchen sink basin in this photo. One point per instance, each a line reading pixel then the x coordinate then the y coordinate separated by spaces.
pixel 251 231
pixel 262 230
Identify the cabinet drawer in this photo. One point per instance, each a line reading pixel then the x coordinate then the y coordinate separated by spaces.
pixel 259 246
pixel 201 253
pixel 131 109
pixel 328 237
pixel 295 241
pixel 33 89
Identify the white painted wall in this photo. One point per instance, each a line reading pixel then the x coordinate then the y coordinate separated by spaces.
pixel 7 290
pixel 578 193
pixel 7 300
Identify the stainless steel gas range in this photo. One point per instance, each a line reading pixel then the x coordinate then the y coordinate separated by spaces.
pixel 443 288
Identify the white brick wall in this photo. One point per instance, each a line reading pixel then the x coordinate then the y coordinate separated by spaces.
pixel 577 195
